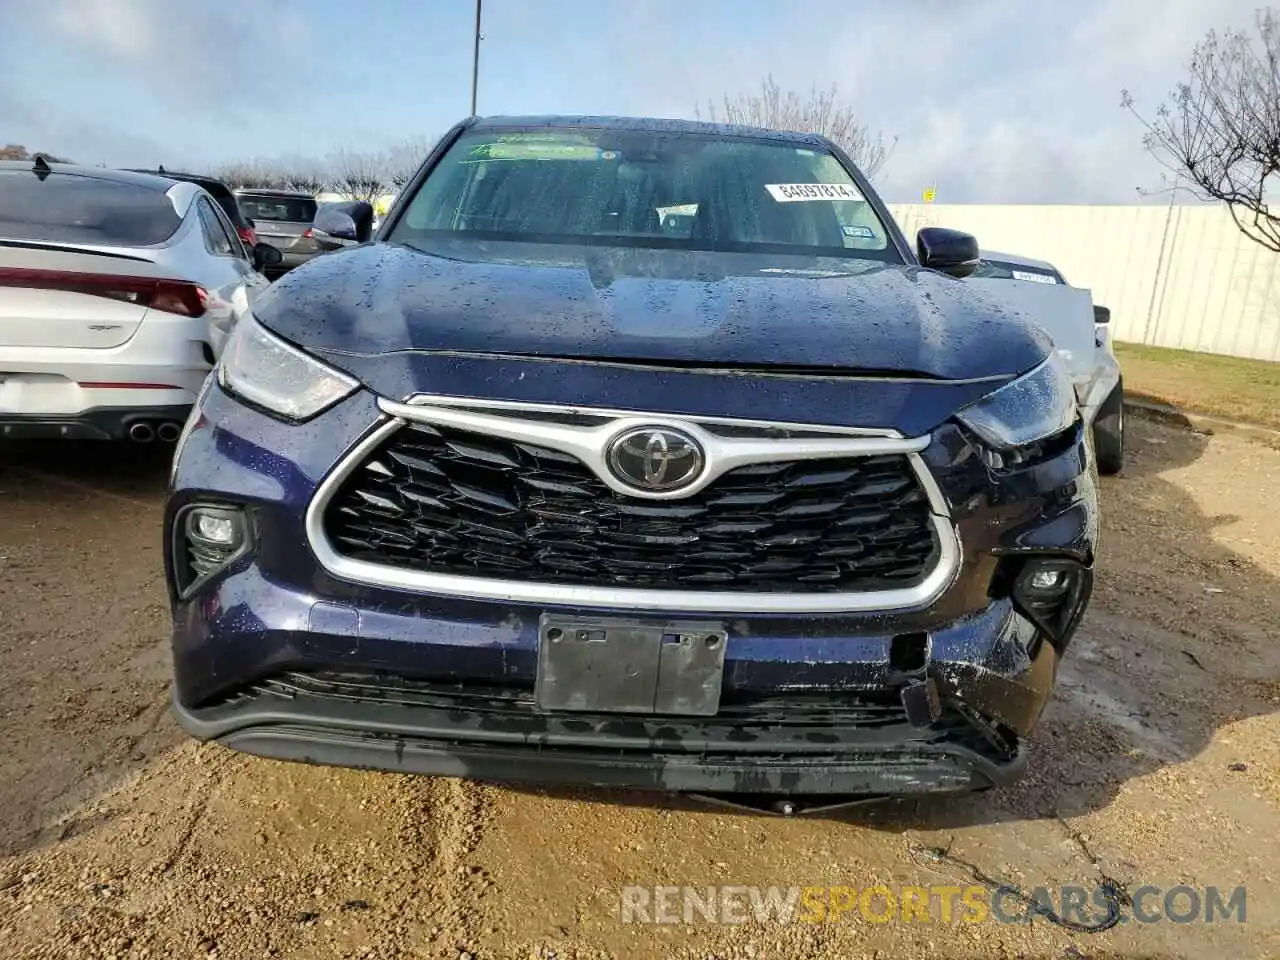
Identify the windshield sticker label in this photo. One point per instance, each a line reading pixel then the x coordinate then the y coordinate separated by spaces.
pixel 796 192
pixel 1033 277
pixel 537 148
pixel 859 233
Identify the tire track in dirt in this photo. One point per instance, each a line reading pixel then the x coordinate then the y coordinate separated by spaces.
pixel 457 810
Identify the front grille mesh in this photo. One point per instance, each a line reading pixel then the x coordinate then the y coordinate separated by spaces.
pixel 444 500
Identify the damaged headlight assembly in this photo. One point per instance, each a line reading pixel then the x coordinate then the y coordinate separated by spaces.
pixel 275 376
pixel 1014 420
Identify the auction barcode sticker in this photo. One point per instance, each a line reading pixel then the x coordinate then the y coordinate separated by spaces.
pixel 1033 277
pixel 795 192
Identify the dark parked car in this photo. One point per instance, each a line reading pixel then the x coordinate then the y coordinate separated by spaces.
pixel 284 219
pixel 224 197
pixel 532 487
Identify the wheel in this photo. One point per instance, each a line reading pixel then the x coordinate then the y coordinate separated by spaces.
pixel 1108 432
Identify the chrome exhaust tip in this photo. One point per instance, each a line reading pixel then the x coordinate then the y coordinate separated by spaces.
pixel 141 432
pixel 169 431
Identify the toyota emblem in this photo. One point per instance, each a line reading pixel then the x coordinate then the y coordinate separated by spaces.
pixel 656 459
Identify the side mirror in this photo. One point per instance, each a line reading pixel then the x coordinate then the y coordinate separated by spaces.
pixel 265 255
pixel 333 229
pixel 947 251
pixel 1101 314
pixel 343 224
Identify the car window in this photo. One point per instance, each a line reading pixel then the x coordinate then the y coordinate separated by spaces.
pixel 1001 270
pixel 225 200
pixel 641 188
pixel 280 209
pixel 220 241
pixel 237 245
pixel 228 205
pixel 77 209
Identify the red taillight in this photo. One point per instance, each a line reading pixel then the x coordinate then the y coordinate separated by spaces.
pixel 307 234
pixel 182 298
pixel 248 237
pixel 171 296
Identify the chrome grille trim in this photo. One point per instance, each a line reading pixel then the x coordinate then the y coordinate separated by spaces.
pixel 503 419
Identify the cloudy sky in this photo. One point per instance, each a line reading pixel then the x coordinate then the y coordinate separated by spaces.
pixel 993 100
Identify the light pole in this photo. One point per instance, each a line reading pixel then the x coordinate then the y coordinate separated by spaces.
pixel 475 61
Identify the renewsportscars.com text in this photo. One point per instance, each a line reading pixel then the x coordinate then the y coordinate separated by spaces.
pixel 932 904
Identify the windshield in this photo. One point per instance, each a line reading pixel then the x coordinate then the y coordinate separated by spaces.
pixel 278 209
pixel 640 188
pixel 77 209
pixel 1000 270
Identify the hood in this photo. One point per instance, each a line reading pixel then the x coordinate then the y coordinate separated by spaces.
pixel 1065 313
pixel 666 307
pixel 840 342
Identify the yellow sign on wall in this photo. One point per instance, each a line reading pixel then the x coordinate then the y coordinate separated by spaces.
pixel 929 194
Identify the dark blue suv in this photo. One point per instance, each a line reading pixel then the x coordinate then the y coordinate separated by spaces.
pixel 640 453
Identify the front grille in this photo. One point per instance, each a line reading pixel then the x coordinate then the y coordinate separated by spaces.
pixel 443 500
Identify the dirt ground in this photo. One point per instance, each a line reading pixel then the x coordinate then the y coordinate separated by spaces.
pixel 1157 764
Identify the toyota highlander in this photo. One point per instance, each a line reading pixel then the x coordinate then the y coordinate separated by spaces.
pixel 634 453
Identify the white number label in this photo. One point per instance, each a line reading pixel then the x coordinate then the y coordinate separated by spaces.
pixel 1033 277
pixel 796 192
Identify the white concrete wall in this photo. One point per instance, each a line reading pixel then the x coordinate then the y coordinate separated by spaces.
pixel 1173 276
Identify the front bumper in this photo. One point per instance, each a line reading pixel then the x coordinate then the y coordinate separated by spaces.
pixel 275 656
pixel 504 739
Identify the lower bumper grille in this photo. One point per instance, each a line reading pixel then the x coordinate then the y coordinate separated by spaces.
pixel 852 709
pixel 840 719
pixel 443 500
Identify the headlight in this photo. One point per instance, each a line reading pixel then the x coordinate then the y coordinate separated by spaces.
pixel 1036 406
pixel 259 367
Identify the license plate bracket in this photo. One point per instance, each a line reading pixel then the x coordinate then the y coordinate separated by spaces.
pixel 621 665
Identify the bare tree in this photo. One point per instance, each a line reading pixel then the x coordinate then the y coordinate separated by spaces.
pixel 821 111
pixel 401 161
pixel 1220 130
pixel 251 174
pixel 357 174
pixel 307 181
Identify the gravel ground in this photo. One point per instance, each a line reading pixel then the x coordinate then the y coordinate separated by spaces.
pixel 1157 763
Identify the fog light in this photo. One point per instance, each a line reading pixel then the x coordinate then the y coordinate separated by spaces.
pixel 214 529
pixel 1051 591
pixel 211 537
pixel 1048 581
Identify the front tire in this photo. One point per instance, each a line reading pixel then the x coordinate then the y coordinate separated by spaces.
pixel 1108 432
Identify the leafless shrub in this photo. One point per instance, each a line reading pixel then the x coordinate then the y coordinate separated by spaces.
pixel 821 111
pixel 357 174
pixel 401 161
pixel 1220 130
pixel 251 175
pixel 307 181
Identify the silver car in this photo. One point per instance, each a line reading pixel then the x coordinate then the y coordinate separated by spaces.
pixel 1081 333
pixel 117 291
pixel 283 219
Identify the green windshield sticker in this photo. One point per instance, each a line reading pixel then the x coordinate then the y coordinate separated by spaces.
pixel 540 147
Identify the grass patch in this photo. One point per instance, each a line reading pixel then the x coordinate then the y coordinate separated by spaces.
pixel 1203 382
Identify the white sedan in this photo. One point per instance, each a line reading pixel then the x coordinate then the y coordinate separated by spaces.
pixel 117 291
